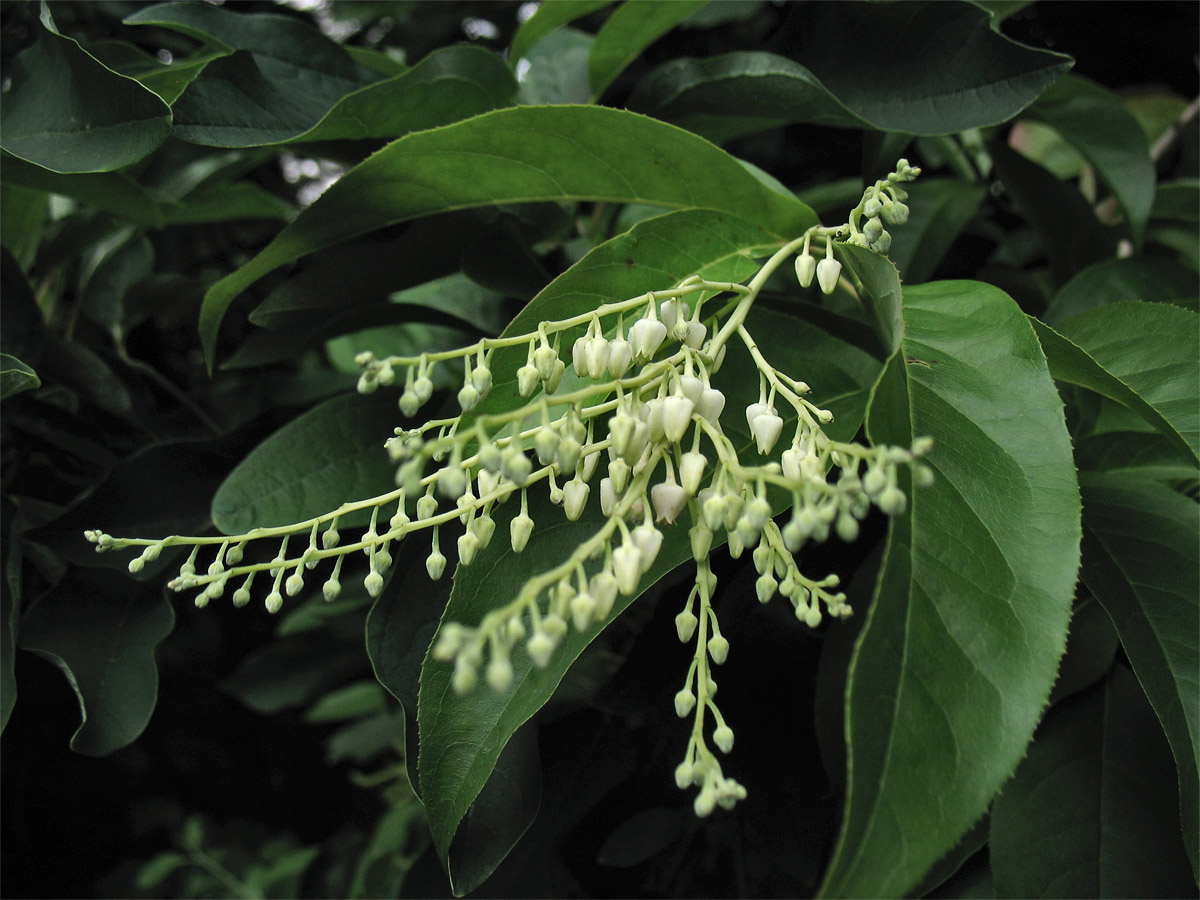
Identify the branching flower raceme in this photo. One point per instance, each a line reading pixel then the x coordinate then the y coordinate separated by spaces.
pixel 642 434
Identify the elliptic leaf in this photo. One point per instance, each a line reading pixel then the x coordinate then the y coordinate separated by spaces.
pixel 1140 354
pixel 546 19
pixel 1092 809
pixel 1098 126
pixel 555 69
pixel 66 112
pixel 102 635
pixel 1145 278
pixel 1141 560
pixel 516 155
pixel 960 648
pixel 630 29
pixel 982 78
pixel 111 192
pixel 940 210
pixel 15 376
pixel 331 454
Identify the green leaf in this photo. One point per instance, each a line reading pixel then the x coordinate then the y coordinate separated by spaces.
pixel 940 209
pixel 15 376
pixel 111 192
pixel 1091 811
pixel 1097 125
pixel 982 78
pixel 1141 560
pixel 546 19
pixel 1140 453
pixel 630 29
pixel 249 98
pixel 960 647
pixel 66 112
pixel 448 85
pixel 1091 647
pixel 169 82
pixel 331 454
pixel 1064 222
pixel 294 670
pixel 555 69
pixel 499 816
pixel 22 225
pixel 159 868
pixel 1141 355
pixel 102 635
pixel 1113 280
pixel 354 701
pixel 517 155
pixel 228 202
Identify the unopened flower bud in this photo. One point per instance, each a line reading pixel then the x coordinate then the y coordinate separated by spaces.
pixel 544 359
pixel 435 564
pixel 701 537
pixel 828 272
pixel 540 648
pixel 452 482
pixel 705 802
pixel 691 471
pixel 718 649
pixel 648 540
pixel 274 602
pixel 685 625
pixel 463 679
pixel 468 397
pixel 579 355
pixel 583 607
pixel 872 230
pixel 723 738
pixel 499 674
pixel 481 379
pixel 608 496
pixel 685 702
pixel 545 445
pixel 627 568
pixel 575 494
pixel 519 530
pixel 331 589
pixel 847 527
pixel 604 588
pixel 516 466
pixel 683 775
pixel 373 583
pixel 294 584
pixel 892 501
pixel 765 587
pixel 696 334
pixel 714 512
pixel 806 268
pixel 556 376
pixel 894 213
pixel 468 547
pixel 527 380
pixel 618 472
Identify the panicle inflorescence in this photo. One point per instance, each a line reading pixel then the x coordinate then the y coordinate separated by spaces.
pixel 640 432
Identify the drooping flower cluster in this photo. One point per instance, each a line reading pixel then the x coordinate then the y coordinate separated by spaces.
pixel 642 432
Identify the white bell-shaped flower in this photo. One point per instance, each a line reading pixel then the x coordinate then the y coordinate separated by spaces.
pixel 620 357
pixel 527 380
pixel 710 405
pixel 647 336
pixel 828 272
pixel 648 540
pixel 691 471
pixel 676 416
pixel 627 568
pixel 766 430
pixel 669 500
pixel 806 268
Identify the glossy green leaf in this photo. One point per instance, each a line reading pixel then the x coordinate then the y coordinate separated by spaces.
pixel 102 635
pixel 546 19
pixel 169 82
pixel 112 192
pixel 248 98
pixel 982 77
pixel 1091 648
pixel 21 227
pixel 630 29
pixel 940 209
pixel 1150 279
pixel 448 85
pixel 295 670
pixel 517 155
pixel 331 454
pixel 960 647
pixel 461 737
pixel 354 701
pixel 1091 811
pixel 555 69
pixel 15 376
pixel 1141 558
pixel 1063 220
pixel 66 112
pixel 110 272
pixel 1098 126
pixel 1141 355
pixel 1143 454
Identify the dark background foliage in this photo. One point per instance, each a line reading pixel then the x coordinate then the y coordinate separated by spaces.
pixel 69 819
